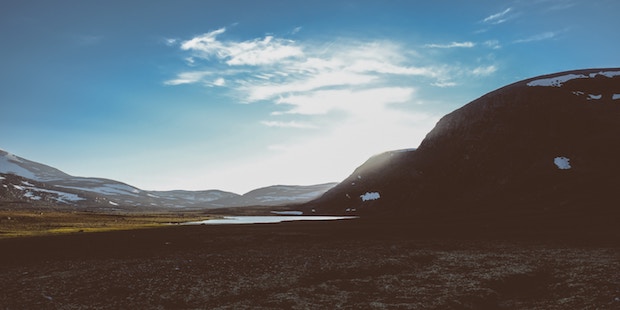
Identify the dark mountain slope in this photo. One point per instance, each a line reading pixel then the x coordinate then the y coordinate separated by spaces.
pixel 541 145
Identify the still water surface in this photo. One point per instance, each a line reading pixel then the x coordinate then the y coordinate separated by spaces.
pixel 267 219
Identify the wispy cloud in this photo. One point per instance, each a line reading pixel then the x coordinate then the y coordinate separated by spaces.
pixel 169 41
pixel 452 45
pixel 484 70
pixel 538 37
pixel 444 84
pixel 497 18
pixel 267 50
pixel 290 124
pixel 219 82
pixel 269 68
pixel 189 77
pixel 356 102
pixel 316 81
pixel 361 80
pixel 494 44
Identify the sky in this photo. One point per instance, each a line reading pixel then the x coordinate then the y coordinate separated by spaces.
pixel 237 95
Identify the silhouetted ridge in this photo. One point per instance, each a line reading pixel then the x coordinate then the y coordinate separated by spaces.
pixel 545 144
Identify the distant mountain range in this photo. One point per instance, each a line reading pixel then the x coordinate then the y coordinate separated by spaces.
pixel 26 182
pixel 549 144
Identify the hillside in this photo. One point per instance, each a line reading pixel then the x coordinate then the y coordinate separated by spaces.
pixel 27 183
pixel 548 144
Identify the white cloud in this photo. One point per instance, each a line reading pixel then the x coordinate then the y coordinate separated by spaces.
pixel 275 67
pixel 291 124
pixel 388 68
pixel 308 83
pixel 444 84
pixel 219 82
pixel 188 78
pixel 255 52
pixel 497 18
pixel 314 78
pixel 538 37
pixel 484 70
pixel 170 41
pixel 452 45
pixel 204 42
pixel 355 102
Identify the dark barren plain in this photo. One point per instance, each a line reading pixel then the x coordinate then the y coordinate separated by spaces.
pixel 351 264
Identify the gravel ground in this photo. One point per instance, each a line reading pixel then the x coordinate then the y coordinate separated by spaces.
pixel 304 266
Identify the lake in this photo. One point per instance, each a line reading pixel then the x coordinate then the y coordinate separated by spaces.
pixel 267 219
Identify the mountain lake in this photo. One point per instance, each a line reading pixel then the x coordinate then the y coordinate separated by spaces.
pixel 247 219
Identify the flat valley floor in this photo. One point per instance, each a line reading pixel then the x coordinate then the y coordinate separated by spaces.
pixel 349 264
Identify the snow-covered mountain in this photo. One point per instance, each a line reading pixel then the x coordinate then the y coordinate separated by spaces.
pixel 548 144
pixel 25 181
pixel 10 163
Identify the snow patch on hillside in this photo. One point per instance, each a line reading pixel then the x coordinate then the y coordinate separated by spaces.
pixel 8 164
pixel 108 189
pixel 13 158
pixel 370 196
pixel 608 74
pixel 563 163
pixel 61 196
pixel 32 196
pixel 558 81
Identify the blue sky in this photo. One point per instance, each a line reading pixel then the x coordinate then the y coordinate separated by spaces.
pixel 236 95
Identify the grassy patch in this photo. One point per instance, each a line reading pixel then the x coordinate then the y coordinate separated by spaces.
pixel 36 223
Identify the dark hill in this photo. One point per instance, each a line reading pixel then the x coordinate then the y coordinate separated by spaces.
pixel 549 144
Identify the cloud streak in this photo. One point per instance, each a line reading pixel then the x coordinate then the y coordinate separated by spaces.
pixel 484 70
pixel 267 50
pixel 497 18
pixel 357 102
pixel 538 37
pixel 274 66
pixel 290 124
pixel 452 45
pixel 188 78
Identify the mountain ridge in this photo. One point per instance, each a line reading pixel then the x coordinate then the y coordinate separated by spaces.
pixel 499 154
pixel 29 182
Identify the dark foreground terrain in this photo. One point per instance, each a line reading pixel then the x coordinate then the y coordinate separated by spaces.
pixel 308 265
